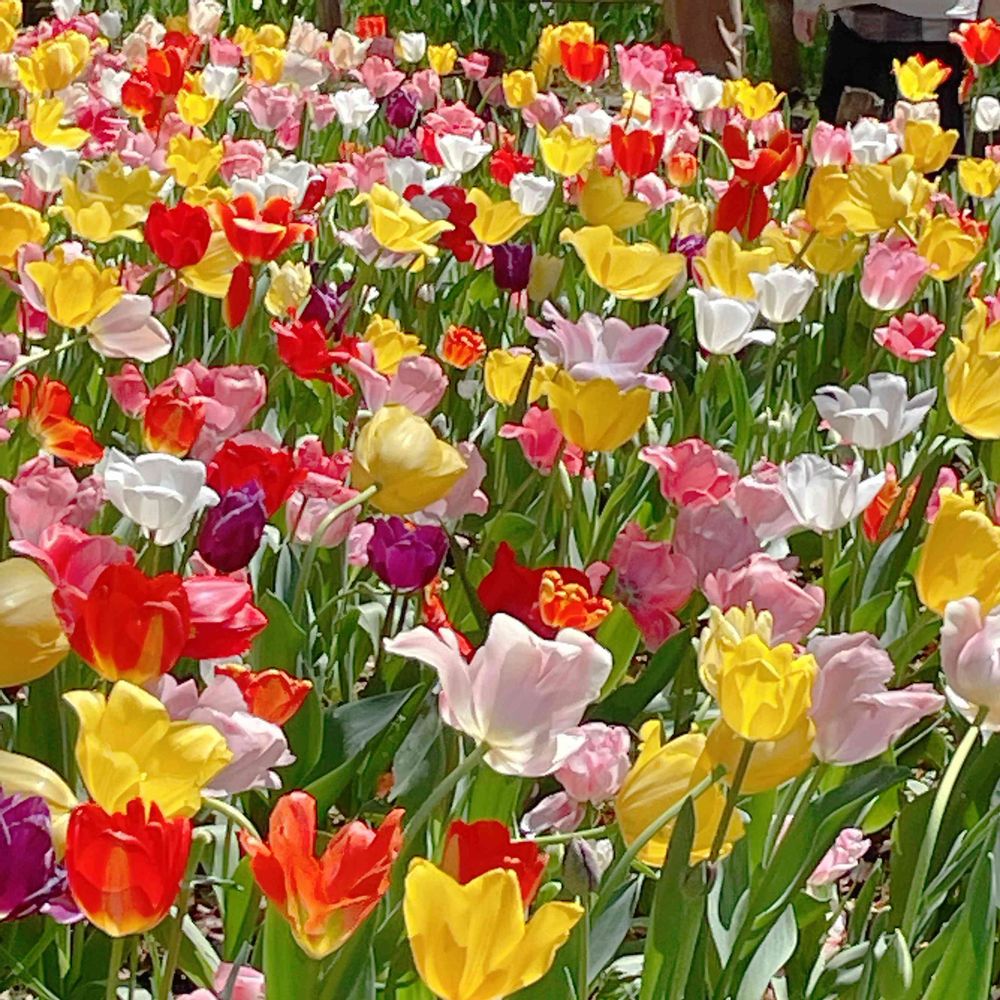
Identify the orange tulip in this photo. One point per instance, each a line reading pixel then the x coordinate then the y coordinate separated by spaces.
pixel 270 694
pixel 45 404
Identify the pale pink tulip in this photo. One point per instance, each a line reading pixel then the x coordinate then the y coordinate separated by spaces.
pixel 130 330
pixel 890 275
pixel 595 771
pixel 911 336
pixel 418 384
pixel 856 716
pixel 759 498
pixel 522 695
pixel 970 659
pixel 947 480
pixel 641 67
pixel 558 813
pixel 43 494
pixel 714 538
pixel 830 146
pixel 847 850
pixel 692 473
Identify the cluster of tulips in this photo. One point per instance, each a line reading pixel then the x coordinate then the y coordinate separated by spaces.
pixel 475 531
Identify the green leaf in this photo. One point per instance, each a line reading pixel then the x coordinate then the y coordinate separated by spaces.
pixel 618 634
pixel 305 739
pixel 280 644
pixel 289 972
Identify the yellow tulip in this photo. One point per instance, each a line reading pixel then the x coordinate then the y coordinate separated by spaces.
pixel 399 227
pixel 602 202
pixel 772 762
pixel 11 11
pixel 881 194
pixel 442 58
pixel 496 221
pixel 266 65
pixel 928 144
pixel 24 776
pixel 128 747
pixel 726 266
pixel 288 288
pixel 31 637
pixel 753 101
pixel 563 152
pixel 472 942
pixel 948 247
pixel 54 64
pixel 10 139
pixel 212 274
pixel 961 556
pixel 399 452
pixel 504 371
pixel 549 52
pixel 826 255
pixel 764 693
pixel 917 79
pixel 75 292
pixel 972 376
pixel 723 633
pixel 520 88
pixel 979 178
pixel 196 109
pixel 193 161
pixel 45 117
pixel 688 217
pixel 19 225
pixel 661 777
pixel 597 415
pixel 546 270
pixel 391 344
pixel 266 36
pixel 638 271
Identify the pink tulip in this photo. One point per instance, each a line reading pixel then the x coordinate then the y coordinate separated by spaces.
pixel 847 850
pixel 379 76
pixel 454 119
pixel 418 383
pixel 475 65
pixel 768 586
pixel 947 480
pixel 540 439
pixel 486 697
pixel 970 658
pixel 248 985
pixel 714 538
pixel 910 337
pixel 43 494
pixel 642 67
pixel 654 581
pixel 692 472
pixel 891 274
pixel 546 110
pixel 465 497
pixel 595 771
pixel 830 145
pixel 242 158
pixel 856 716
pixel 269 107
pixel 558 812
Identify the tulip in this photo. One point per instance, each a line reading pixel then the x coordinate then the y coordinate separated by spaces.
pixel 74 292
pixel 830 145
pixel 783 292
pixel 874 520
pixel 44 404
pixel 178 235
pixel 461 154
pixel 130 330
pixel 692 472
pixel 848 849
pixel 603 202
pixel 23 776
pixel 442 58
pixel 824 497
pixel 856 717
pixel 171 423
pixel 970 659
pixel 928 144
pixel 873 417
pixel 406 557
pixel 462 347
pixel 701 90
pixel 324 899
pixel 948 246
pixel 232 530
pixel 979 178
pixel 243 983
pixel 771 763
pixel 55 63
pixel 19 225
pixel 961 555
pixel 636 152
pixel 726 325
pixel 397 226
pixel 890 275
pixel 472 942
pixel 971 374
pixel 161 493
pixel 193 161
pixel 270 694
pixel 563 152
pixel 910 337
pixel 978 40
pixel 564 674
pixel 987 113
pixel 531 193
pixel 128 748
pixel 30 879
pixel 512 266
pixel 596 415
pixel 125 868
pixel 724 267
pixel 638 271
pixel 261 233
pixel 594 773
pixel 764 692
pixel 30 635
pixel 472 849
pixel 661 777
pixel 918 79
pixel 224 619
pixel 399 453
pixel 584 61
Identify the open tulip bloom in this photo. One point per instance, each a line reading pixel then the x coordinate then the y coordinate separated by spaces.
pixel 485 521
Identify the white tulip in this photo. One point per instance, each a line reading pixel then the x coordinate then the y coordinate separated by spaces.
pixel 823 496
pixel 403 172
pixel 411 46
pixel 987 116
pixel 531 193
pixel 48 167
pixel 590 122
pixel 355 107
pixel 700 90
pixel 462 153
pixel 876 415
pixel 110 23
pixel 163 494
pixel 130 330
pixel 872 141
pixel 783 292
pixel 219 81
pixel 347 51
pixel 725 325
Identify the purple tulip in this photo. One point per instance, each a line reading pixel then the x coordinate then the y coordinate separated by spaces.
pixel 401 107
pixel 329 305
pixel 406 556
pixel 30 880
pixel 691 247
pixel 232 530
pixel 512 266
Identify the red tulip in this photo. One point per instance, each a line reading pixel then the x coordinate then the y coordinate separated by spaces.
pixel 172 423
pixel 584 62
pixel 636 153
pixel 237 462
pixel 371 26
pixel 303 346
pixel 178 235
pixel 270 694
pixel 125 869
pixel 979 41
pixel 239 295
pixel 224 619
pixel 45 403
pixel 261 234
pixel 323 899
pixel 132 627
pixel 472 849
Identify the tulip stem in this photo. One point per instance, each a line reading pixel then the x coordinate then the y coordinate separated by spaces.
pixel 934 820
pixel 231 813
pixel 177 930
pixel 310 556
pixel 114 968
pixel 730 806
pixel 594 833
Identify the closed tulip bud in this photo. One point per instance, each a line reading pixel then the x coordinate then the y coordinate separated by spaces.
pixel 472 849
pixel 272 695
pixel 582 868
pixel 406 557
pixel 597 415
pixel 928 144
pixel 764 693
pixel 970 658
pixel 401 107
pixel 512 266
pixel 125 868
pixel 30 635
pixel 231 532
pixel 682 169
pixel 398 452
pixel 980 178
pixel 783 292
pixel 546 270
pixel 520 88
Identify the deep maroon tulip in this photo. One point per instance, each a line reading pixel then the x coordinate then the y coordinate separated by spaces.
pixel 401 107
pixel 512 266
pixel 233 528
pixel 30 880
pixel 329 305
pixel 406 556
